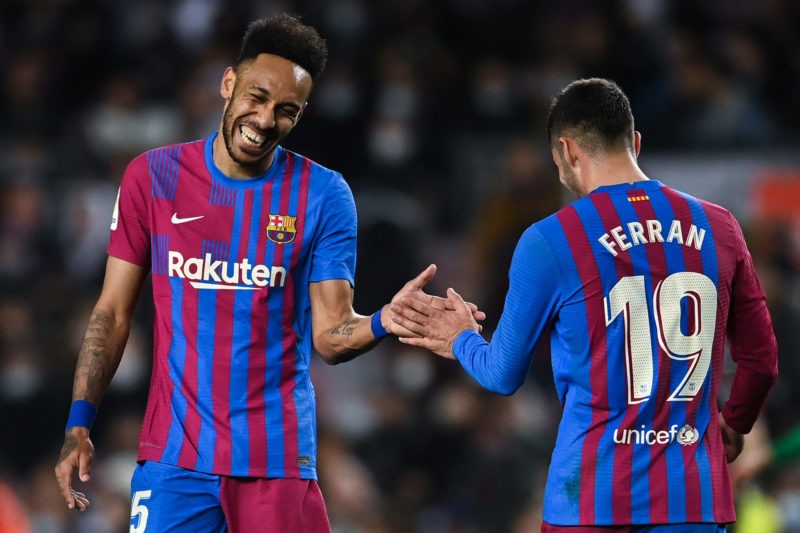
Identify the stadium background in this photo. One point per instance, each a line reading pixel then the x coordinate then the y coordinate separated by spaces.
pixel 434 112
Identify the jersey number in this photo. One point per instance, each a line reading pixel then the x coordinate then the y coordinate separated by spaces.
pixel 140 510
pixel 684 296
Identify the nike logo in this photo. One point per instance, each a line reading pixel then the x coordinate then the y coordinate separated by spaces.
pixel 176 220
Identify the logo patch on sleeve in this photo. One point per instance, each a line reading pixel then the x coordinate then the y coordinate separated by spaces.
pixel 115 214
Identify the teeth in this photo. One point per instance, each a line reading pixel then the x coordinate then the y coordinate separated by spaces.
pixel 251 137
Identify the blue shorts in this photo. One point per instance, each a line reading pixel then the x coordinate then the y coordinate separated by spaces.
pixel 174 499
pixel 658 528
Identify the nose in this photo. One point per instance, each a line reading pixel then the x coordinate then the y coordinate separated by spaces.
pixel 265 118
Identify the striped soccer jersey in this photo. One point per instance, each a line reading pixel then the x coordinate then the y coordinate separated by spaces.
pixel 231 261
pixel 638 285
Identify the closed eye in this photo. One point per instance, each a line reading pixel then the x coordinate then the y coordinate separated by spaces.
pixel 289 111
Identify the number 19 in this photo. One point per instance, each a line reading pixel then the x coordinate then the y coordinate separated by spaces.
pixel 628 299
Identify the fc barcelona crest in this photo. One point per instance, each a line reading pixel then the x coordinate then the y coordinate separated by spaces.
pixel 281 228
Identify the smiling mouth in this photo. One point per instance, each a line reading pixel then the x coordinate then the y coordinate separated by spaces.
pixel 250 137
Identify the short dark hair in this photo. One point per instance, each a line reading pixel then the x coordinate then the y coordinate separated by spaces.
pixel 596 113
pixel 285 36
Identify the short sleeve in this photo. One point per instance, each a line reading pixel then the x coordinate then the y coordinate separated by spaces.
pixel 130 228
pixel 334 255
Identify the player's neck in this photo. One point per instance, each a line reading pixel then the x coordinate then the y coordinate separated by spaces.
pixel 613 170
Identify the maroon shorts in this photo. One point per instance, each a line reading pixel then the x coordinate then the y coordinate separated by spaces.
pixel 253 504
pixel 170 498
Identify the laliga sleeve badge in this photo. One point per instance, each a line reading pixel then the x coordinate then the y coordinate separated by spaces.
pixel 281 228
pixel 115 214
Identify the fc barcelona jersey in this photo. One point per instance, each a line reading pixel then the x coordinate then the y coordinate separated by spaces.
pixel 638 286
pixel 231 261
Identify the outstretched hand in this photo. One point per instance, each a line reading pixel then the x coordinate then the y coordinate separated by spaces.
pixel 432 326
pixel 413 290
pixel 76 453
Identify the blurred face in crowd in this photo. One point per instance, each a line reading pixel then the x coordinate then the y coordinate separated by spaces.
pixel 264 99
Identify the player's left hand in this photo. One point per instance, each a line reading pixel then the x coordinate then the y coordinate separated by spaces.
pixel 413 289
pixel 76 454
pixel 732 440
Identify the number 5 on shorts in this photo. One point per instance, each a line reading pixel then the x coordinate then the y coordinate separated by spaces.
pixel 140 510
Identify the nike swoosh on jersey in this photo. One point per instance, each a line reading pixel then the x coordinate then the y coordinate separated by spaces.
pixel 176 220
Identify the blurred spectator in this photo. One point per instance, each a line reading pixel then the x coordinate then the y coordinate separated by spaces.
pixel 13 515
pixel 520 191
pixel 434 111
pixel 26 236
pixel 123 125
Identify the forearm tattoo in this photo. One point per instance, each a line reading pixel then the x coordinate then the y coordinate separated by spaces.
pixel 346 328
pixel 98 357
pixel 70 443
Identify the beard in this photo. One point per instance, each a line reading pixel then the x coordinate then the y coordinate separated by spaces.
pixel 570 181
pixel 242 159
pixel 566 176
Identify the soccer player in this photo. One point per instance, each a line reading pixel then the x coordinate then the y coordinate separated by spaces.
pixel 639 285
pixel 251 248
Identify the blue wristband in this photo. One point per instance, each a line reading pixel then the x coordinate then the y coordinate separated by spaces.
pixel 377 328
pixel 81 413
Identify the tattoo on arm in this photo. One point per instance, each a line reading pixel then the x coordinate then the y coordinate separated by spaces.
pixel 70 443
pixel 346 328
pixel 99 356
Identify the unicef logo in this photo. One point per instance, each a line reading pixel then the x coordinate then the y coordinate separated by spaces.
pixel 688 435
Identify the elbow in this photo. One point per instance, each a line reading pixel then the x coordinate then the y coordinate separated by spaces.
pixel 331 355
pixel 504 388
pixel 328 354
pixel 332 358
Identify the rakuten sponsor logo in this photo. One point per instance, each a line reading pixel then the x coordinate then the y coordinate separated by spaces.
pixel 206 273
pixel 685 435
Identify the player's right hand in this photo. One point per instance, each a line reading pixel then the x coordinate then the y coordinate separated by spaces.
pixel 77 452
pixel 732 440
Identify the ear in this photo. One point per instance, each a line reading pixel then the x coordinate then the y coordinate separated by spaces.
pixel 300 114
pixel 637 142
pixel 570 152
pixel 227 84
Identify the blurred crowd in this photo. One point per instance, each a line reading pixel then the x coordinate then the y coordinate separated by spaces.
pixel 434 111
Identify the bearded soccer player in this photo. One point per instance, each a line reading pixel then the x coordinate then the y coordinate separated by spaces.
pixel 639 286
pixel 251 248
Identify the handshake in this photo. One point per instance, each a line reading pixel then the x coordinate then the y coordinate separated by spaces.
pixel 431 322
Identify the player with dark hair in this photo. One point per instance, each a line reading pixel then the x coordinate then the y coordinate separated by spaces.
pixel 251 248
pixel 638 285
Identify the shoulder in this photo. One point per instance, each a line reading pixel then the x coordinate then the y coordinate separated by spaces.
pixel 535 244
pixel 323 182
pixel 720 218
pixel 317 172
pixel 177 152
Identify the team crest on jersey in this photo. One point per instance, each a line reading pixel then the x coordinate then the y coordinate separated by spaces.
pixel 281 228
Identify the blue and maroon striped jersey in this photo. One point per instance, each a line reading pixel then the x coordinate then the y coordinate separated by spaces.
pixel 639 286
pixel 231 261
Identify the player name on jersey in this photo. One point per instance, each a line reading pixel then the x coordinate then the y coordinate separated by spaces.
pixel 649 232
